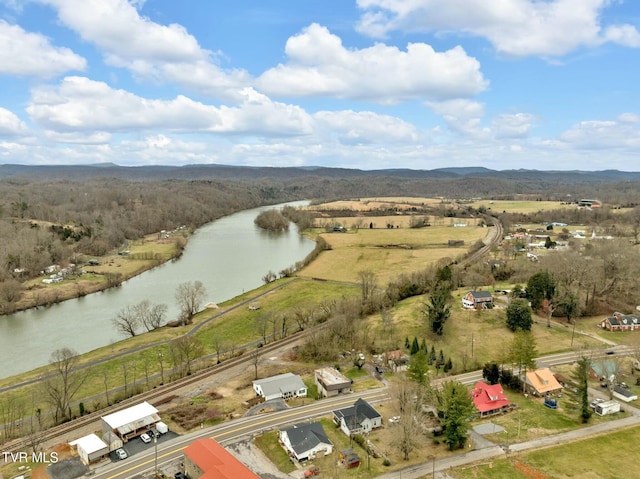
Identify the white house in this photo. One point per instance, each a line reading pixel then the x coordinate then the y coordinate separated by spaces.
pixel 356 419
pixel 285 386
pixel 305 441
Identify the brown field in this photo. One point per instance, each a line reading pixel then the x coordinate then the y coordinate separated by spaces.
pixel 368 204
pixel 388 252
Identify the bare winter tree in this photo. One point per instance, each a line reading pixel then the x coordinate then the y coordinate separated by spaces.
pixel 150 315
pixel 127 321
pixel 190 296
pixel 185 351
pixel 60 387
pixel 12 410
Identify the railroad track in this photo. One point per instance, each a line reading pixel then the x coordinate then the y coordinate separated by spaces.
pixel 155 395
pixel 159 393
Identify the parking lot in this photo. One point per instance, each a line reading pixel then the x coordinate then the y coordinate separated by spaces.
pixel 134 446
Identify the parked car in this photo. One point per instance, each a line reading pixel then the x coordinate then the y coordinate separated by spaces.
pixel 121 453
pixel 180 475
pixel 595 402
pixel 145 438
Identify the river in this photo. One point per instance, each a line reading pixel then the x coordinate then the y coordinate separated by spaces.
pixel 229 256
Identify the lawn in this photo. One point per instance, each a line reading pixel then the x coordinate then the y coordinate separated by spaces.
pixel 609 456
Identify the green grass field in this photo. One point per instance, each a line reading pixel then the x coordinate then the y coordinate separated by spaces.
pixel 599 457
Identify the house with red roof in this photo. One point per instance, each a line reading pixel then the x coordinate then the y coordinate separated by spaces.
pixel 206 459
pixel 489 399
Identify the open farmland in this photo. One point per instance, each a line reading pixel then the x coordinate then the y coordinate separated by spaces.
pixel 520 206
pixel 388 252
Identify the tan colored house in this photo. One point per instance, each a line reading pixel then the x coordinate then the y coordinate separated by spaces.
pixel 541 382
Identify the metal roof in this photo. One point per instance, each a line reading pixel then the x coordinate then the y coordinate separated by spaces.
pixel 136 416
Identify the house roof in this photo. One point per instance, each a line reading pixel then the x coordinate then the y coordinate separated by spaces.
pixel 281 383
pixel 604 368
pixel 331 378
pixel 304 437
pixel 216 462
pixel 624 320
pixel 480 294
pixel 488 397
pixel 132 418
pixel 623 391
pixel 356 414
pixel 542 380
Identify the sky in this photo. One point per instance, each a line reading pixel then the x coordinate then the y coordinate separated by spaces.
pixel 367 84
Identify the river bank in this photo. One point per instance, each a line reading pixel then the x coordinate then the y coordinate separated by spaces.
pixel 101 272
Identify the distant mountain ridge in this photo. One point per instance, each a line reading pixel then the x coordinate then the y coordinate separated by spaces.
pixel 201 171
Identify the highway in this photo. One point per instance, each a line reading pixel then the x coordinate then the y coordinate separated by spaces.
pixel 231 432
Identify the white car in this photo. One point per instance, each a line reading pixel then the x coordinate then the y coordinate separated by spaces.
pixel 146 438
pixel 121 453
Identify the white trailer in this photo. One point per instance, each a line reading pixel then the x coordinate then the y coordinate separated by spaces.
pixel 161 427
pixel 607 407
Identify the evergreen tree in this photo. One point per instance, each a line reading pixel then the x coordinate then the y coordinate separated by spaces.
pixel 432 356
pixel 407 344
pixel 519 315
pixel 456 408
pixel 414 346
pixel 438 309
pixel 423 346
pixel 440 361
pixel 418 367
pixel 448 366
pixel 581 397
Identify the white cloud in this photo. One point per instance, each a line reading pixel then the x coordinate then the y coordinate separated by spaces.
pixel 461 115
pixel 351 127
pixel 80 138
pixel 31 54
pixel 516 125
pixel 318 65
pixel 603 134
pixel 148 49
pixel 10 124
pixel 514 27
pixel 81 104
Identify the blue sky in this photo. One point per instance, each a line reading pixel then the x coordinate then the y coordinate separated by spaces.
pixel 369 84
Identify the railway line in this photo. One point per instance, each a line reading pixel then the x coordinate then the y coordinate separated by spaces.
pixel 160 393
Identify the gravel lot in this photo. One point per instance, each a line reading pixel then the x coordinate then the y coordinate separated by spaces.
pixel 254 459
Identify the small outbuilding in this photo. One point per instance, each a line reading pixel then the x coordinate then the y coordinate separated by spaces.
pixel 90 448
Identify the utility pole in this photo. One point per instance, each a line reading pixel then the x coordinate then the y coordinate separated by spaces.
pixel 155 445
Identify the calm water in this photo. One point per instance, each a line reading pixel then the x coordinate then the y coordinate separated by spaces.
pixel 229 256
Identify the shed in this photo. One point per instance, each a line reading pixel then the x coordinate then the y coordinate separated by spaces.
pixel 90 448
